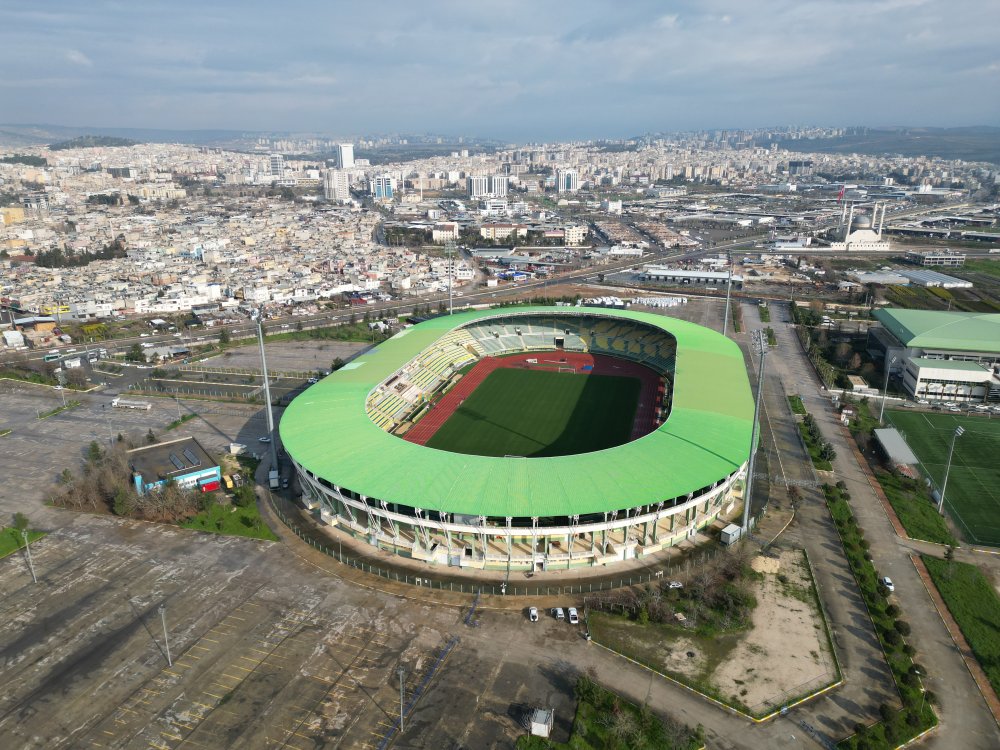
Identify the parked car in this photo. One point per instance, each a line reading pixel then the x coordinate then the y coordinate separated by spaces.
pixel 312 381
pixel 558 613
pixel 923 402
pixel 574 618
pixel 533 614
pixel 675 585
pixel 887 582
pixel 284 484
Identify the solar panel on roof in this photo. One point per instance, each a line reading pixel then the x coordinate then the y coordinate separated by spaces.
pixel 178 464
pixel 193 459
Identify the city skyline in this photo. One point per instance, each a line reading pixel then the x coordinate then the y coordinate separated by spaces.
pixel 529 73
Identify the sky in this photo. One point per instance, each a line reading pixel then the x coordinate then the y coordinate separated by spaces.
pixel 516 71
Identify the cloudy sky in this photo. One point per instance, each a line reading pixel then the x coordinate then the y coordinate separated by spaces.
pixel 531 70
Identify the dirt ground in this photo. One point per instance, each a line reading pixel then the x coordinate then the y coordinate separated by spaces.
pixel 786 654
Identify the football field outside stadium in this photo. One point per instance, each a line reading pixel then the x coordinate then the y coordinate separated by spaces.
pixel 541 413
pixel 973 494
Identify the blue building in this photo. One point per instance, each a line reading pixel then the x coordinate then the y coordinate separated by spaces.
pixel 183 461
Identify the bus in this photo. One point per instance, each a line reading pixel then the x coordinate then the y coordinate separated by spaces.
pixel 51 357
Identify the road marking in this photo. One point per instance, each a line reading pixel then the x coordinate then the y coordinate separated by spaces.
pixel 210 640
pixel 213 694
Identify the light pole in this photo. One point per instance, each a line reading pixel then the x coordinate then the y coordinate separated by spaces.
pixel 162 609
pixel 885 388
pixel 729 287
pixel 27 552
pixel 401 674
pixel 959 431
pixel 758 343
pixel 259 319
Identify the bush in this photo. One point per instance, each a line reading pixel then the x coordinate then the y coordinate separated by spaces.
pixel 892 637
pixel 892 610
pixel 902 627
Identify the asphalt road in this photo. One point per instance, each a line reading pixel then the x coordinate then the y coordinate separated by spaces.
pixel 965 718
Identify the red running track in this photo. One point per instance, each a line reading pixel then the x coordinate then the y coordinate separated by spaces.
pixel 645 414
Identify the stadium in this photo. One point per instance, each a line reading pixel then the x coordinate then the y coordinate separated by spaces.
pixel 528 438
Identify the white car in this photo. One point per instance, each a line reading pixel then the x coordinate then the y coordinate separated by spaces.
pixel 887 582
pixel 675 585
pixel 558 613
pixel 57 387
pixel 574 618
pixel 923 402
pixel 533 614
pixel 312 381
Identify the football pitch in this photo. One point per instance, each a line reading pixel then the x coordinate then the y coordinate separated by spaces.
pixel 540 413
pixel 973 494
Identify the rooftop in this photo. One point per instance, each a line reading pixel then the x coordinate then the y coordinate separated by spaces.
pixel 950 331
pixel 170 460
pixel 706 437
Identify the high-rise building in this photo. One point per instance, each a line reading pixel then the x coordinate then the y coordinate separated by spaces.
pixel 345 156
pixel 336 186
pixel 498 185
pixel 382 187
pixel 477 186
pixel 277 166
pixel 567 181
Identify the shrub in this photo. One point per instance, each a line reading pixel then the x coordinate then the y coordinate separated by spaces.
pixel 892 637
pixel 902 627
pixel 892 610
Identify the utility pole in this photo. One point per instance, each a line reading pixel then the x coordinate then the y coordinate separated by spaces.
pixel 259 318
pixel 401 673
pixel 959 431
pixel 758 343
pixel 162 609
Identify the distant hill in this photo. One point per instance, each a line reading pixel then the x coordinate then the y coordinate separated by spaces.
pixel 971 144
pixel 92 141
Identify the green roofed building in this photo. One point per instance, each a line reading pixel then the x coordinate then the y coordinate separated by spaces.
pixel 941 356
pixel 353 440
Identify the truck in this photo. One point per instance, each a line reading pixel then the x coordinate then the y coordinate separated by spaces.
pixel 122 403
pixel 273 479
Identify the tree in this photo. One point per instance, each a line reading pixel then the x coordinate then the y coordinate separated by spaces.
pixel 94 452
pixel 21 521
pixel 843 352
pixel 135 354
pixel 223 337
pixel 120 504
pixel 855 363
pixel 336 364
pixel 150 437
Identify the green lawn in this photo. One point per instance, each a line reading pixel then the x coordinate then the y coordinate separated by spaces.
pixel 796 403
pixel 231 521
pixel 973 495
pixel 11 540
pixel 974 604
pixel 605 721
pixel 912 503
pixel 538 413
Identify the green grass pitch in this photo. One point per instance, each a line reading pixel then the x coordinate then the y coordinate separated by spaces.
pixel 538 413
pixel 973 494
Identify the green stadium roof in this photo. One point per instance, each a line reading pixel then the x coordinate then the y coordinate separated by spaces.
pixel 705 438
pixel 951 331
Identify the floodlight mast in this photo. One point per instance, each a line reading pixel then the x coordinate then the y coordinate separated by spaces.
pixel 258 318
pixel 758 343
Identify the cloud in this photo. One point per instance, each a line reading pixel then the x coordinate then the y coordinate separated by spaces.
pixel 76 57
pixel 599 68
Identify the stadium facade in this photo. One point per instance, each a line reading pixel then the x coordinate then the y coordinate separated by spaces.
pixel 516 513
